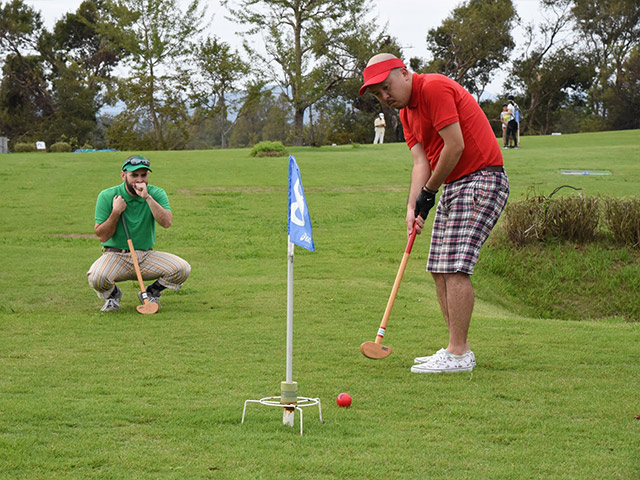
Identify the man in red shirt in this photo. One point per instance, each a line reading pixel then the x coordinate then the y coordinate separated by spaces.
pixel 453 147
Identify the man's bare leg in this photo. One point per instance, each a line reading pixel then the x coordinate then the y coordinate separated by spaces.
pixel 455 294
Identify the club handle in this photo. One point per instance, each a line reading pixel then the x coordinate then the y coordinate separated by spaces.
pixel 124 224
pixel 412 238
pixel 136 265
pixel 134 256
pixel 396 284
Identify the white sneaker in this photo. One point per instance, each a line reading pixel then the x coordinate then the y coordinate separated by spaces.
pixel 444 361
pixel 426 359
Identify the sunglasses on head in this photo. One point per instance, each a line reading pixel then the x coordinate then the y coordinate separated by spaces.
pixel 136 160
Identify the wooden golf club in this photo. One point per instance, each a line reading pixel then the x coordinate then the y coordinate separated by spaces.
pixel 376 349
pixel 147 308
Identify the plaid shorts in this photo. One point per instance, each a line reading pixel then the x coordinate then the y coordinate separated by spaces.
pixel 466 213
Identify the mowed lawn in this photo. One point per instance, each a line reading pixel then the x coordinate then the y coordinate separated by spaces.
pixel 84 394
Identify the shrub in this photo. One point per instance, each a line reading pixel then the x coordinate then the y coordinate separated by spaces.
pixel 60 147
pixel 622 217
pixel 523 221
pixel 269 149
pixel 24 147
pixel 573 218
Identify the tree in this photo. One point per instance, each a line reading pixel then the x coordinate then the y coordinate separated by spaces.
pixel 252 116
pixel 158 36
pixel 20 27
pixel 25 101
pixel 82 40
pixel 53 83
pixel 24 96
pixel 472 43
pixel 304 45
pixel 551 75
pixel 277 122
pixel 624 95
pixel 218 71
pixel 611 29
pixel 561 81
pixel 81 59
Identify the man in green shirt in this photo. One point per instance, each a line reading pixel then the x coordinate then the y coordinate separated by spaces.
pixel 143 205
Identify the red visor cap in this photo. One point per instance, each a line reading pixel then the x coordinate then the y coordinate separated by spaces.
pixel 378 72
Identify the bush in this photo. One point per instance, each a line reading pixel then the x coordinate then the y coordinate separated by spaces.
pixel 24 147
pixel 269 149
pixel 574 219
pixel 60 147
pixel 622 217
pixel 522 221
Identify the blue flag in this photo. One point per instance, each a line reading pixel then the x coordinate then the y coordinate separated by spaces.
pixel 299 222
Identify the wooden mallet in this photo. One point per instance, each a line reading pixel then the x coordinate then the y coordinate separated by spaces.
pixel 147 308
pixel 376 349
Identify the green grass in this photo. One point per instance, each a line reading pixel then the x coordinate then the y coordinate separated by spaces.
pixel 90 395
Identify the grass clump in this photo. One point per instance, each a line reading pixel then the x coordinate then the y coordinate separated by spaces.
pixel 574 218
pixel 269 149
pixel 24 147
pixel 578 218
pixel 60 147
pixel 622 218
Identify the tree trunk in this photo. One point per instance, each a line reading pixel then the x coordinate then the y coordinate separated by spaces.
pixel 298 123
pixel 157 128
pixel 223 121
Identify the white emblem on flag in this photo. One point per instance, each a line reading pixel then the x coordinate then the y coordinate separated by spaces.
pixel 297 207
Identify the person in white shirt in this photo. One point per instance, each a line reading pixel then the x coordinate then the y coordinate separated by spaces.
pixel 379 125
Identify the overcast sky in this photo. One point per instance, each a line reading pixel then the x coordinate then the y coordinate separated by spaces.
pixel 408 20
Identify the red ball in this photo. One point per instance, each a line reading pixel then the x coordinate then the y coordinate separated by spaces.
pixel 343 400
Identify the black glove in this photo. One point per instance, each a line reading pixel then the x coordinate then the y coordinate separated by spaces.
pixel 425 202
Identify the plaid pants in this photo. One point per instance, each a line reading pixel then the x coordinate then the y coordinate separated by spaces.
pixel 466 213
pixel 170 270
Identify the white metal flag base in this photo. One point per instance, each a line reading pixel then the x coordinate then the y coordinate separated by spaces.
pixel 289 400
pixel 289 409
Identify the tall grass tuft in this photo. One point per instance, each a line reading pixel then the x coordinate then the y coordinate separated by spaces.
pixel 573 219
pixel 578 218
pixel 538 217
pixel 268 149
pixel 622 217
pixel 522 221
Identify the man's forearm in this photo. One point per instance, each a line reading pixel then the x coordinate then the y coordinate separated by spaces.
pixel 449 158
pixel 162 216
pixel 419 174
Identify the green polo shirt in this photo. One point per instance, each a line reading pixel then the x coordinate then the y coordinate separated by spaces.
pixel 140 221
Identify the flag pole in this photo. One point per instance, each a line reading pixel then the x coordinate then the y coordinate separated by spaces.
pixel 289 388
pixel 299 229
pixel 289 375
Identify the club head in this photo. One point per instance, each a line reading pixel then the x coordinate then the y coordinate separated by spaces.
pixel 375 350
pixel 147 308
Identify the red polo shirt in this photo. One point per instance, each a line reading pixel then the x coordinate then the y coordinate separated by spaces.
pixel 436 102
